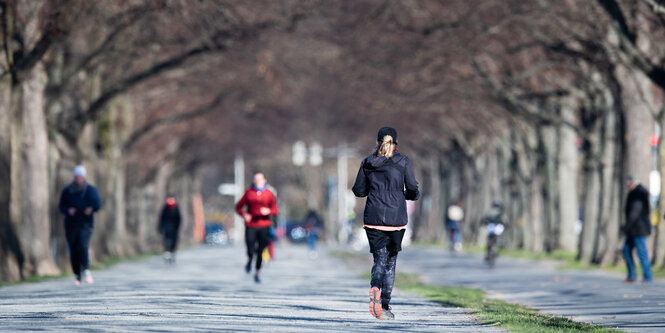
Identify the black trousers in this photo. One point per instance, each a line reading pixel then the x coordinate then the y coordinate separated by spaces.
pixel 384 246
pixel 256 240
pixel 78 242
pixel 170 240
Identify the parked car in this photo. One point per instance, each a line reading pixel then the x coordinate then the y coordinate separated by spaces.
pixel 216 234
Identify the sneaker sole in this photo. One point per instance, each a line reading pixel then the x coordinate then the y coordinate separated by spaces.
pixel 375 308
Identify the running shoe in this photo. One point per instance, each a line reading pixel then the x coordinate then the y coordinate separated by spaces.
pixel 88 277
pixel 375 302
pixel 167 257
pixel 387 313
pixel 77 282
pixel 248 267
pixel 257 279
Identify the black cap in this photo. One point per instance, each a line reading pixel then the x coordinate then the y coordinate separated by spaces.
pixel 386 131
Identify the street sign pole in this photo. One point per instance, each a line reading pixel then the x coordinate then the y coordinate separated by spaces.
pixel 239 180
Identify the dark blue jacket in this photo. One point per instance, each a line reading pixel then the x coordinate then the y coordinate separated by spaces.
pixel 79 198
pixel 387 183
pixel 638 214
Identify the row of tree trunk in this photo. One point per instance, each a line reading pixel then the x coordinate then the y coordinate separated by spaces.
pixel 559 190
pixel 36 163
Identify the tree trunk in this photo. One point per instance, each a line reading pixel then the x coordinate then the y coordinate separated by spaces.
pixel 11 256
pixel 613 158
pixel 591 195
pixel 568 160
pixel 519 192
pixel 184 188
pixel 637 98
pixel 536 214
pixel 35 223
pixel 113 130
pixel 548 153
pixel 659 253
pixel 434 220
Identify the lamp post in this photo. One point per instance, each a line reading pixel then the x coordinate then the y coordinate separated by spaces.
pixel 342 181
pixel 239 179
pixel 236 189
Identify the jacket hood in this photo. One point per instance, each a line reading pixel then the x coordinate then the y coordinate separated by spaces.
pixel 641 189
pixel 376 161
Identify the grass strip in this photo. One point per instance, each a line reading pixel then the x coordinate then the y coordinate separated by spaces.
pixel 34 279
pixel 111 261
pixel 515 318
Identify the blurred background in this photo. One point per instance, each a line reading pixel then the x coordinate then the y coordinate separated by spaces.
pixel 545 106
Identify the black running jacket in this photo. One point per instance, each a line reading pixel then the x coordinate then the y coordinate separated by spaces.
pixel 387 183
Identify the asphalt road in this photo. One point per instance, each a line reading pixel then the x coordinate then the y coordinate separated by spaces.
pixel 208 290
pixel 596 297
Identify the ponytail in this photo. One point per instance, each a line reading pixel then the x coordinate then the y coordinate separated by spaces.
pixel 387 147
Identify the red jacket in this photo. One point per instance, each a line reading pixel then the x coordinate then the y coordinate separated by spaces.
pixel 254 200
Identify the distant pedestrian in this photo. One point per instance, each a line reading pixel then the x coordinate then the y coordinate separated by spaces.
pixel 637 229
pixel 78 202
pixel 454 218
pixel 386 178
pixel 260 204
pixel 313 226
pixel 169 225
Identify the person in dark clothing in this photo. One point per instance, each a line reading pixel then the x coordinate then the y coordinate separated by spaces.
pixel 387 179
pixel 636 230
pixel 261 204
pixel 313 225
pixel 78 202
pixel 169 225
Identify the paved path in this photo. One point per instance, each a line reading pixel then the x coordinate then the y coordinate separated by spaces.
pixel 207 290
pixel 589 296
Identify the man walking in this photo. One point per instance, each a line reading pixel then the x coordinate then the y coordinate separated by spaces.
pixel 637 229
pixel 261 204
pixel 169 225
pixel 78 202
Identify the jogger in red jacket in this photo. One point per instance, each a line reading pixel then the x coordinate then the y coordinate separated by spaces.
pixel 261 204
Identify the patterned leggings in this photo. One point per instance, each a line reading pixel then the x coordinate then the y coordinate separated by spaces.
pixel 383 273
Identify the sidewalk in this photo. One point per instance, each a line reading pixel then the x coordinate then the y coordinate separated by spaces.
pixel 595 297
pixel 208 290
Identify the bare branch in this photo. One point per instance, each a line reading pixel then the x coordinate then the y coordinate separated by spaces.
pixel 656 5
pixel 124 22
pixel 613 9
pixel 120 87
pixel 53 31
pixel 223 39
pixel 174 119
pixel 632 54
pixel 525 110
